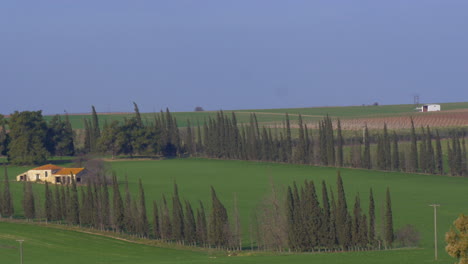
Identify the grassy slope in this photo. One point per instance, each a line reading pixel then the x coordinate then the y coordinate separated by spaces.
pixel 277 115
pixel 411 195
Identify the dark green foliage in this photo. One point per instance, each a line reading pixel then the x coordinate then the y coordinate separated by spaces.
pixel 28 134
pixel 371 233
pixel 58 212
pixel 343 228
pixel 356 224
pixel 413 158
pixel 60 137
pixel 166 226
pixel 118 217
pixel 366 157
pixel 74 208
pixel 218 232
pixel 156 230
pixel 439 156
pixel 395 153
pixel 129 216
pixel 190 229
pixel 339 145
pixel 142 218
pixel 389 236
pixel 7 209
pixel 4 137
pixel 48 203
pixel 202 229
pixel 29 205
pixel 177 216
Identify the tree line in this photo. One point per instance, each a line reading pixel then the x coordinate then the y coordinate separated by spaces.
pixel 31 140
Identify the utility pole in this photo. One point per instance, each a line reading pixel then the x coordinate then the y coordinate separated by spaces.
pixel 21 250
pixel 435 228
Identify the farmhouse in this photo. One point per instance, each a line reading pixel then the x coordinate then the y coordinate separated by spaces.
pixel 428 108
pixel 53 174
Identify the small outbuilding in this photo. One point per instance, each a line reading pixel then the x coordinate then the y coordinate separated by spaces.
pixel 428 108
pixel 53 174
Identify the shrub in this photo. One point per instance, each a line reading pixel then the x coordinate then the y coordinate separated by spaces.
pixel 408 236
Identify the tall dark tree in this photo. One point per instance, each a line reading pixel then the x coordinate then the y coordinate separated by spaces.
pixel 29 205
pixel 327 239
pixel 343 228
pixel 356 223
pixel 190 229
pixel 156 230
pixel 177 216
pixel 74 206
pixel 48 203
pixel 371 233
pixel 166 225
pixel 144 226
pixel 202 229
pixel 7 209
pixel 118 217
pixel 339 145
pixel 395 153
pixel 366 157
pixel 439 156
pixel 218 232
pixel 389 235
pixel 413 159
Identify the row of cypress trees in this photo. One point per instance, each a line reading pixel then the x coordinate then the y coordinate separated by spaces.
pixel 331 226
pixel 101 205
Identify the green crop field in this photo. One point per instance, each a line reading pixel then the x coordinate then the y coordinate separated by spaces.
pixel 411 196
pixel 274 115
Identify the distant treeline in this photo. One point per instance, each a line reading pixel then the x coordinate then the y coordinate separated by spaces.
pixel 32 140
pixel 295 221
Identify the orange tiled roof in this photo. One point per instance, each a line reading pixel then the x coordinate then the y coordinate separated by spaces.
pixel 68 171
pixel 48 167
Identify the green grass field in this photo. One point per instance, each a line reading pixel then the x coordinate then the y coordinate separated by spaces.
pixel 411 196
pixel 274 115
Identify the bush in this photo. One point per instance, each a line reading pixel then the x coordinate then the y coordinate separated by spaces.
pixel 407 236
pixel 199 109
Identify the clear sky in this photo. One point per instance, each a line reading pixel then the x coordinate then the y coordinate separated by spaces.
pixel 237 54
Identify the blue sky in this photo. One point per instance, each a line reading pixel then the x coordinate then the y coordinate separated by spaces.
pixel 68 55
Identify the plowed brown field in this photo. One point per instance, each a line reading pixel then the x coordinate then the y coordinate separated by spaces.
pixel 454 118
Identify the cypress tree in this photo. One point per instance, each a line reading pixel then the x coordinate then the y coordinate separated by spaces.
pixel 363 235
pixel 343 229
pixel 371 232
pixel 58 214
pixel 74 204
pixel 129 215
pixel 333 213
pixel 423 152
pixel 413 160
pixel 156 231
pixel 395 153
pixel 64 203
pixel 28 201
pixel 166 226
pixel 177 216
pixel 49 203
pixel 326 240
pixel 118 207
pixel 190 229
pixel 106 210
pixel 366 157
pixel 202 230
pixel 339 139
pixel 356 223
pixel 438 158
pixel 387 148
pixel 290 208
pixel 430 162
pixel 7 201
pixel 144 226
pixel 389 236
pixel 219 225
